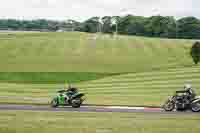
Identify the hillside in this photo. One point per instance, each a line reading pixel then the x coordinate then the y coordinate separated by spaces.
pixel 81 52
pixel 146 88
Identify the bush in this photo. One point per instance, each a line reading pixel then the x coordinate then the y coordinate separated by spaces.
pixel 195 52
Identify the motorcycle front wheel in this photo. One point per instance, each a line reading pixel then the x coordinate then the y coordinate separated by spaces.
pixel 169 106
pixel 196 107
pixel 54 103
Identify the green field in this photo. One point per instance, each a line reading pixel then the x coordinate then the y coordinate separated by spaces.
pixel 81 52
pixel 147 88
pixel 50 77
pixel 113 71
pixel 62 122
pixel 123 70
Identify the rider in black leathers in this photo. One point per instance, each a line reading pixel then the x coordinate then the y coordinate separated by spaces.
pixel 189 93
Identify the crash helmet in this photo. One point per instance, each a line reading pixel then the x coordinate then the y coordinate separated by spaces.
pixel 187 87
pixel 66 86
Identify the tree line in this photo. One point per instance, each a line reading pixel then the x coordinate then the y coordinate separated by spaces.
pixel 154 26
pixel 37 25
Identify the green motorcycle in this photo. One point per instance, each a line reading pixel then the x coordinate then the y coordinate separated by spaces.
pixel 70 97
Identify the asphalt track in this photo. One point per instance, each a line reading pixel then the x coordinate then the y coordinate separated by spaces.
pixel 87 109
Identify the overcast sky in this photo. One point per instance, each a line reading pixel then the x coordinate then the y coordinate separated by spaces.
pixel 83 9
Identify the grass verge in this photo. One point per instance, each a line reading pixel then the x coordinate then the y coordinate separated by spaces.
pixel 50 77
pixel 74 122
pixel 140 89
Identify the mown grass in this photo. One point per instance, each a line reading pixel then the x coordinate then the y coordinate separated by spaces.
pixel 67 55
pixel 147 88
pixel 62 122
pixel 141 89
pixel 81 52
pixel 49 77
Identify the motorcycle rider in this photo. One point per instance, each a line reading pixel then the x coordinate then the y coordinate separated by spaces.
pixel 67 91
pixel 189 93
pixel 70 91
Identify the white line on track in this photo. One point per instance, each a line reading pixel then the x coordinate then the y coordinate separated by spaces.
pixel 122 107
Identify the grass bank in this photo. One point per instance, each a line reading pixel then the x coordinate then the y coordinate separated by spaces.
pixel 50 77
pixel 147 88
pixel 62 122
pixel 81 52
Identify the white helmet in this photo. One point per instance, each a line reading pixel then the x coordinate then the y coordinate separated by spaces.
pixel 187 86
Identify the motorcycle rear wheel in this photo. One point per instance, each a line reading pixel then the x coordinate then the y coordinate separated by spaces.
pixel 195 107
pixel 76 103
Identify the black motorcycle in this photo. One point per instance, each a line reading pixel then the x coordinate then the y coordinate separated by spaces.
pixel 180 101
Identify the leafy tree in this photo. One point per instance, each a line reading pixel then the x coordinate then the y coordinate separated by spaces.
pixel 91 25
pixel 189 27
pixel 107 24
pixel 159 26
pixel 134 25
pixel 195 52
